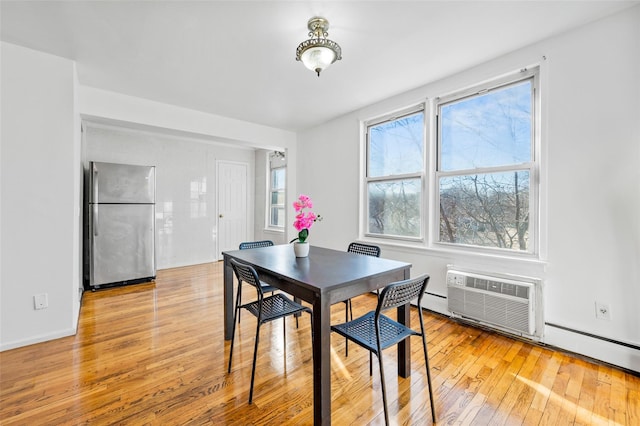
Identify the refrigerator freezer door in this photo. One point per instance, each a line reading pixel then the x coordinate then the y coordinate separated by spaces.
pixel 122 183
pixel 122 243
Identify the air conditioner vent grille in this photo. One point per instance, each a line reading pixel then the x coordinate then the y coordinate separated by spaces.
pixel 498 287
pixel 504 303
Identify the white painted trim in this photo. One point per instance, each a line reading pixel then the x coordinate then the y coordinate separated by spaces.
pixel 558 338
pixel 436 304
pixel 38 339
pixel 602 350
pixel 99 104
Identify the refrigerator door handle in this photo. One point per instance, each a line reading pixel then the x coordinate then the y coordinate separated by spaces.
pixel 95 184
pixel 95 220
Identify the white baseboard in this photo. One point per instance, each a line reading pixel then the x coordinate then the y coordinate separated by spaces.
pixel 593 347
pixel 436 304
pixel 37 339
pixel 573 341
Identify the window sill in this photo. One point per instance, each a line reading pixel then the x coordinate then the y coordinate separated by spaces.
pixel 462 254
pixel 274 230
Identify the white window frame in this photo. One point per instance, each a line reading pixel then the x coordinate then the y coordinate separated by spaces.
pixel 533 166
pixel 416 175
pixel 271 189
pixel 430 205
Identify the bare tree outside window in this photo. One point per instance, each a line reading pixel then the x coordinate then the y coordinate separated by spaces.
pixel 482 189
pixel 485 163
pixel 394 208
pixel 489 210
pixel 395 163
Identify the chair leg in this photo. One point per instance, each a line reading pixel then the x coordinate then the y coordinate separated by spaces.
pixel 233 337
pixel 298 314
pixel 253 367
pixel 426 363
pixel 346 319
pixel 284 333
pixel 238 299
pixel 384 388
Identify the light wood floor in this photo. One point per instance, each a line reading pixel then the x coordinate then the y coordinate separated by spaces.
pixel 154 354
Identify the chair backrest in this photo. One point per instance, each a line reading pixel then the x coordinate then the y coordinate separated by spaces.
pixel 246 273
pixel 366 249
pixel 402 292
pixel 254 244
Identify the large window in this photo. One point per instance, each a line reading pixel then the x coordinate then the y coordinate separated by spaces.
pixel 277 179
pixel 469 183
pixel 486 166
pixel 394 180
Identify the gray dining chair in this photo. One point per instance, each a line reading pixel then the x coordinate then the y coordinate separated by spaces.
pixel 376 332
pixel 265 309
pixel 266 288
pixel 255 244
pixel 368 250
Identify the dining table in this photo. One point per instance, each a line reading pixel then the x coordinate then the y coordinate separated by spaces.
pixel 323 278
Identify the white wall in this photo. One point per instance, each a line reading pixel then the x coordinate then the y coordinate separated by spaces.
pixel 260 196
pixel 261 230
pixel 594 185
pixel 41 184
pixel 118 109
pixel 40 193
pixel 186 227
pixel 590 92
pixel 591 182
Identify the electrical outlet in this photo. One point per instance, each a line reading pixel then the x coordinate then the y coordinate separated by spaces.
pixel 41 301
pixel 603 311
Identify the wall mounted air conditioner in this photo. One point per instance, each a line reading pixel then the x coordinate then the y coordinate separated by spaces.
pixel 504 303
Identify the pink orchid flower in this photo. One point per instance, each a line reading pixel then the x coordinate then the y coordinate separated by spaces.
pixel 304 220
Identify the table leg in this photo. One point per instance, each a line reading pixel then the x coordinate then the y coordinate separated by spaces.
pixel 404 348
pixel 228 299
pixel 321 362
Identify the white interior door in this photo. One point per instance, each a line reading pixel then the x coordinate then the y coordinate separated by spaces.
pixel 232 205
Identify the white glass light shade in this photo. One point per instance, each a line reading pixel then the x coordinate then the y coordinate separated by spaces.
pixel 318 52
pixel 318 58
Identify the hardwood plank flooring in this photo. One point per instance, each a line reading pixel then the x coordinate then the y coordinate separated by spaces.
pixel 154 354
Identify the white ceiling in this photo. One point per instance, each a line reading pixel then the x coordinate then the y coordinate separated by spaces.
pixel 237 58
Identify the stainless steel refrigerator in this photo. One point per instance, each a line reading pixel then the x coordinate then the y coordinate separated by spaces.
pixel 120 236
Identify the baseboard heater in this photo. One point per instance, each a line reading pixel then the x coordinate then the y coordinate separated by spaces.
pixel 493 300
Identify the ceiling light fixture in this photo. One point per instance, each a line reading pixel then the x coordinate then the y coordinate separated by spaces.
pixel 318 52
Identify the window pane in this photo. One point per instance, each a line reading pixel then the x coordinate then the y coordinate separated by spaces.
pixel 395 147
pixel 277 178
pixel 394 207
pixel 488 130
pixel 489 210
pixel 277 216
pixel 277 197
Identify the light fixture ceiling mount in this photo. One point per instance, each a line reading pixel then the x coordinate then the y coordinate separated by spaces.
pixel 318 52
